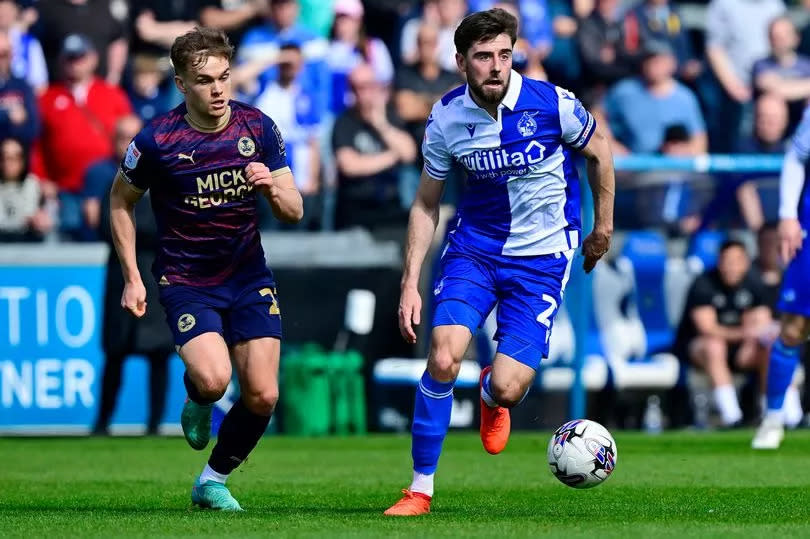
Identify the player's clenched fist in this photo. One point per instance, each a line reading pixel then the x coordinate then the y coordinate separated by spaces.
pixel 133 298
pixel 258 175
pixel 410 309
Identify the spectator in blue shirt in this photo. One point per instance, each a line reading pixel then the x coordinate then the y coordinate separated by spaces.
pixel 259 53
pixel 293 109
pixel 640 109
pixel 28 60
pixel 149 90
pixel 18 109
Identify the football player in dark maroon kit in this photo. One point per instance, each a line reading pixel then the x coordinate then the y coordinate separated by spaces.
pixel 206 162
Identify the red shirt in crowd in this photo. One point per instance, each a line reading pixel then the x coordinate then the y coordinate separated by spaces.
pixel 75 135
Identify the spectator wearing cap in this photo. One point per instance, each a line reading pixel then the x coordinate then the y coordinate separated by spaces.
pixel 18 107
pixel 659 20
pixel 446 14
pixel 349 47
pixel 91 18
pixel 736 37
pixel 79 114
pixel 260 51
pixel 28 60
pixel 639 109
pixel 294 112
pixel 784 72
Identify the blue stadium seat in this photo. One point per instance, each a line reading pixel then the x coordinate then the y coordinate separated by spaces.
pixel 704 247
pixel 647 253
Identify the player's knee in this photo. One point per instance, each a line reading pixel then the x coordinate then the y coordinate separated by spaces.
pixel 507 393
pixel 443 367
pixel 261 402
pixel 212 385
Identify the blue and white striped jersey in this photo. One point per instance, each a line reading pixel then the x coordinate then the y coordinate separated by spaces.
pixel 794 199
pixel 523 188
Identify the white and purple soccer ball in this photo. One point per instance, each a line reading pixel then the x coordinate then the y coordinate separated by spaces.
pixel 582 453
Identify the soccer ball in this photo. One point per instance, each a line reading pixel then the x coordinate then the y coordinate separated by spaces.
pixel 582 453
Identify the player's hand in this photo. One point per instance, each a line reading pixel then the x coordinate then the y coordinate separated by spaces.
pixel 594 247
pixel 134 298
pixel 258 175
pixel 410 313
pixel 790 238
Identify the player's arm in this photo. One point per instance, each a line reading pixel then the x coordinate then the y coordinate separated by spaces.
pixel 424 218
pixel 278 187
pixel 123 197
pixel 602 181
pixel 705 319
pixel 791 184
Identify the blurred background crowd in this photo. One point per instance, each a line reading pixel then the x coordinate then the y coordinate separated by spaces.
pixel 351 83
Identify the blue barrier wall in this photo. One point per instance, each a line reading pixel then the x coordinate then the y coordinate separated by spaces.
pixel 50 353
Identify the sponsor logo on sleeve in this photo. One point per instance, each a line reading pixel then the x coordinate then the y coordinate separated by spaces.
pixel 132 156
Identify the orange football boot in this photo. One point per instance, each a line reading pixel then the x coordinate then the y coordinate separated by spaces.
pixel 410 505
pixel 495 423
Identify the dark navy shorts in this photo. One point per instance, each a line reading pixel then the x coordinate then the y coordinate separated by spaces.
pixel 527 289
pixel 242 308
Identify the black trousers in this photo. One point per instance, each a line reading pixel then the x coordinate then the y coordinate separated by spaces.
pixel 111 385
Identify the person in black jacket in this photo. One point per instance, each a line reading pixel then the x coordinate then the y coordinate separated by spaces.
pixel 124 334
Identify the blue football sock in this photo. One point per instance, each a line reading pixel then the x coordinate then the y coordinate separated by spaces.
pixel 782 364
pixel 431 419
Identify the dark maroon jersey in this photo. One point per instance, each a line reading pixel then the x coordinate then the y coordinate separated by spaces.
pixel 204 207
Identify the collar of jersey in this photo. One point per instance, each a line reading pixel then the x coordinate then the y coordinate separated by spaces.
pixel 509 100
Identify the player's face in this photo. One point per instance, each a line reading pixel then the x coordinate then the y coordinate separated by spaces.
pixel 733 264
pixel 488 65
pixel 207 87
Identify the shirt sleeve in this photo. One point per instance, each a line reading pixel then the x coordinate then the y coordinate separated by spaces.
pixel 434 149
pixel 576 123
pixel 274 150
pixel 139 165
pixel 701 293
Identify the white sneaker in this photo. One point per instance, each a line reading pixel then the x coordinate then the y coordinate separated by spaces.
pixel 769 435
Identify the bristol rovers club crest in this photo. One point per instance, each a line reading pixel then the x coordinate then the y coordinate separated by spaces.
pixel 526 126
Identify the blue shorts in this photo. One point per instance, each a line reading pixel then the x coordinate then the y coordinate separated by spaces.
pixel 795 295
pixel 527 289
pixel 242 308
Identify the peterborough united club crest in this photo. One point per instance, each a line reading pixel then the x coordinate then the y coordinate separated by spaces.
pixel 246 146
pixel 526 125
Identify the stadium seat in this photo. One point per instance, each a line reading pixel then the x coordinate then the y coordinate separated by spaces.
pixel 623 336
pixel 703 249
pixel 677 279
pixel 646 252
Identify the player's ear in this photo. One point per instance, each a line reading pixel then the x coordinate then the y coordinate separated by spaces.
pixel 461 62
pixel 178 81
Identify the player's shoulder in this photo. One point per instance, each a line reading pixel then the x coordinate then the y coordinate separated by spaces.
pixel 450 105
pixel 540 94
pixel 162 128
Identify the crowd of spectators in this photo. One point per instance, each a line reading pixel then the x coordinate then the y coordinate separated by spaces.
pixel 350 84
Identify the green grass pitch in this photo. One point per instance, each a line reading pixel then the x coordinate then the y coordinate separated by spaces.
pixel 672 485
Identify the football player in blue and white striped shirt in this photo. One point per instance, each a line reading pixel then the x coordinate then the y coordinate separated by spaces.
pixel 514 240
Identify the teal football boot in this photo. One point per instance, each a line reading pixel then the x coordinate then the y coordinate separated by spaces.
pixel 196 422
pixel 213 495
